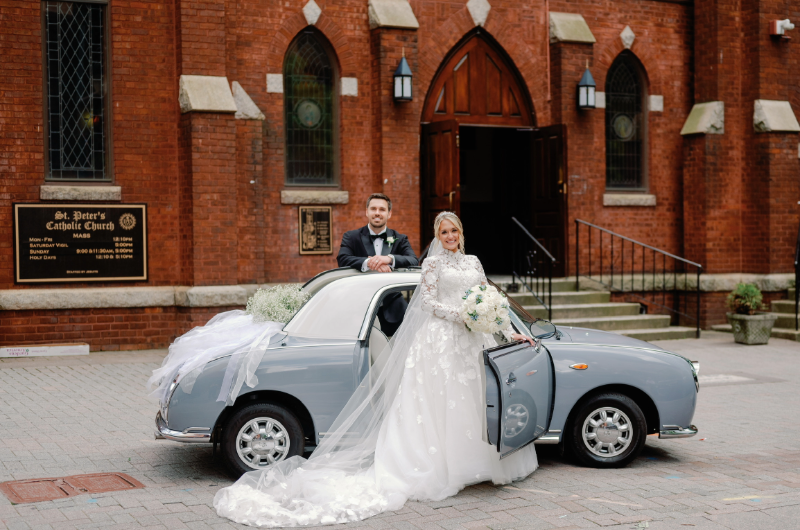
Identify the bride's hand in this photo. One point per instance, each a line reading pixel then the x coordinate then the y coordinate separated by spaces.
pixel 517 336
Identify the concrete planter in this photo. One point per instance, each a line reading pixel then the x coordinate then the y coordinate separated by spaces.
pixel 752 329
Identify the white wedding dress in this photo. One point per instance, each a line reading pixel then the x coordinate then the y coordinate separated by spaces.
pixel 414 429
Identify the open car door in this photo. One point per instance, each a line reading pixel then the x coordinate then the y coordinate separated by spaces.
pixel 519 395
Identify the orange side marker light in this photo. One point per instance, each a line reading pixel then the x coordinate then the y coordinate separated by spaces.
pixel 579 366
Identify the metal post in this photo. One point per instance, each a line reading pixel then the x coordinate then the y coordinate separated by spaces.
pixel 577 257
pixel 697 287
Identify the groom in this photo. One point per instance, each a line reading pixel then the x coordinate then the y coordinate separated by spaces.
pixel 378 248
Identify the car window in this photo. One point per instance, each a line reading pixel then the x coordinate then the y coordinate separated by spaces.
pixel 537 327
pixel 338 309
pixel 390 311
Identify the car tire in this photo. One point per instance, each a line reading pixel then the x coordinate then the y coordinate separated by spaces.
pixel 279 436
pixel 598 442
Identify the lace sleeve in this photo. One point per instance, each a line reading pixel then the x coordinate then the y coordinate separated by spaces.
pixel 509 330
pixel 430 291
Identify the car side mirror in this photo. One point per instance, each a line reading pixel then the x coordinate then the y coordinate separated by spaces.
pixel 542 329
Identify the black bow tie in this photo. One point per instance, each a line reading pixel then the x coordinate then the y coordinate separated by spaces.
pixel 373 237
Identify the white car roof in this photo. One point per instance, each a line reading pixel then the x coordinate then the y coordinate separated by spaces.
pixel 338 309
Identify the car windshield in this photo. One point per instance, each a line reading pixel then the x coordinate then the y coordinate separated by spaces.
pixel 539 328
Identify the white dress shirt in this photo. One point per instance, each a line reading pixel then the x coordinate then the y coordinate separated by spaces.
pixel 378 243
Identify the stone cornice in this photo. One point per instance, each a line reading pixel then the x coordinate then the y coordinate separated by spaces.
pixel 118 297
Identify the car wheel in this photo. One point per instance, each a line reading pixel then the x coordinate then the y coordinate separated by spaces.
pixel 258 435
pixel 607 431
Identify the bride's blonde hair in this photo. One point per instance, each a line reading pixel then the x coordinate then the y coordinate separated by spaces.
pixel 453 218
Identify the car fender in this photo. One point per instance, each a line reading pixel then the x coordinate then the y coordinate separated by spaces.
pixel 667 379
pixel 320 376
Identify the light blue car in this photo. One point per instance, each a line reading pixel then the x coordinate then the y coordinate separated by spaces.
pixel 596 392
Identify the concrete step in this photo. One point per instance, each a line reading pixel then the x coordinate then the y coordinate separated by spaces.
pixel 585 310
pixel 566 298
pixel 786 321
pixel 615 323
pixel 778 333
pixel 783 306
pixel 668 333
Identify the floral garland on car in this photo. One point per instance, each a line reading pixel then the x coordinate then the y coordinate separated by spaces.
pixel 485 309
pixel 276 304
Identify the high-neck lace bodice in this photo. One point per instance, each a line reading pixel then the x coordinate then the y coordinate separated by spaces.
pixel 445 279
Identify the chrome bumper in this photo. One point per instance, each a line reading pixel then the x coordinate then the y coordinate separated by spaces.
pixel 674 431
pixel 192 435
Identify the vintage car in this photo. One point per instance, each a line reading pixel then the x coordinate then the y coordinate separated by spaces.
pixel 596 392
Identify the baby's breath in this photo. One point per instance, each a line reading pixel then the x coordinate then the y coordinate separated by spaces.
pixel 276 304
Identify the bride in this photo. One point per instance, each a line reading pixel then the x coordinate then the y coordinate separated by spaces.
pixel 414 428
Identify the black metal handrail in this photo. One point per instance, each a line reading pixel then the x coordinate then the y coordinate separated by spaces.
pixel 532 265
pixel 638 269
pixel 797 282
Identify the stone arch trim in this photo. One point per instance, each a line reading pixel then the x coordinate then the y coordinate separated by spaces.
pixel 294 24
pixel 435 50
pixel 607 54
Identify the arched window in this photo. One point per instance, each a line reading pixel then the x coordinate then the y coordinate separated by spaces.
pixel 310 111
pixel 626 124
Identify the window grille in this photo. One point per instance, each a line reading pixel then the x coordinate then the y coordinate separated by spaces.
pixel 625 125
pixel 309 112
pixel 76 90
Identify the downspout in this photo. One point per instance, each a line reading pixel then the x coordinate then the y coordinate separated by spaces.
pixel 547 43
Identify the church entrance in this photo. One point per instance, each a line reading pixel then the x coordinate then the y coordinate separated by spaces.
pixel 483 157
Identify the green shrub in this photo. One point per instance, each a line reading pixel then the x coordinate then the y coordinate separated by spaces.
pixel 745 299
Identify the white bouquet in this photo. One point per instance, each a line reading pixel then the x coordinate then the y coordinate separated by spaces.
pixel 276 304
pixel 485 309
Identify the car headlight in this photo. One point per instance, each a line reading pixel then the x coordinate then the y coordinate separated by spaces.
pixel 695 373
pixel 165 404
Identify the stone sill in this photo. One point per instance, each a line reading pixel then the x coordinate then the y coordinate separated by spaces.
pixel 103 297
pixel 50 192
pixel 314 197
pixel 628 199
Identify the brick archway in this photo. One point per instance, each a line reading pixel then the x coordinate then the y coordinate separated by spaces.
pixel 325 25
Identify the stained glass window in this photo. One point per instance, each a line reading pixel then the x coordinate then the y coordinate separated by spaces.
pixel 625 124
pixel 310 112
pixel 76 90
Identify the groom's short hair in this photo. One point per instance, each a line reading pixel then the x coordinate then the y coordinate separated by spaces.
pixel 380 196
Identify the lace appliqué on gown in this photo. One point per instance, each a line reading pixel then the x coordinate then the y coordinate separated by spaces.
pixel 431 440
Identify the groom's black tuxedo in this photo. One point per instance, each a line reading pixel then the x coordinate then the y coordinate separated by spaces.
pixel 357 247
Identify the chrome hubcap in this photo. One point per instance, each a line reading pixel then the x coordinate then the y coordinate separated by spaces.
pixel 607 432
pixel 517 417
pixel 262 442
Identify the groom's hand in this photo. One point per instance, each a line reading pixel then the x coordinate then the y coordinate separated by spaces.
pixel 380 263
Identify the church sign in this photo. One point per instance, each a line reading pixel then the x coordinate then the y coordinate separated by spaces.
pixel 315 230
pixel 80 242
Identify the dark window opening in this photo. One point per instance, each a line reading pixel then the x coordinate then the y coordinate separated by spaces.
pixel 310 112
pixel 76 91
pixel 625 124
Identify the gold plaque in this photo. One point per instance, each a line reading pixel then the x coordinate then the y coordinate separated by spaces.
pixel 315 230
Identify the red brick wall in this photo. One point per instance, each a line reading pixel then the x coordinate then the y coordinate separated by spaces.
pixel 214 199
pixel 144 123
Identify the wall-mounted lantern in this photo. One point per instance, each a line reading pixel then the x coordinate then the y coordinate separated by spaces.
pixel 586 89
pixel 402 81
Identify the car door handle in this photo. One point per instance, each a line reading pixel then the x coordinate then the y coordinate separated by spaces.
pixel 511 378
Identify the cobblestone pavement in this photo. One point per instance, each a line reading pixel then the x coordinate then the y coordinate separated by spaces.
pixel 67 416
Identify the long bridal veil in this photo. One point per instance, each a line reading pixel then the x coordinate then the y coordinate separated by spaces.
pixel 337 483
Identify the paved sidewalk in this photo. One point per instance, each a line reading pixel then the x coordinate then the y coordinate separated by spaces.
pixel 69 416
